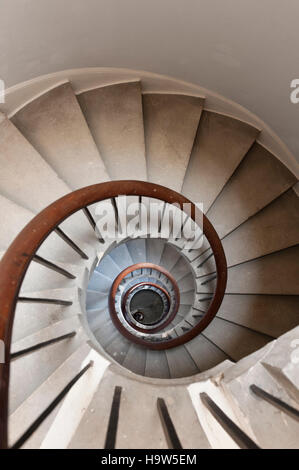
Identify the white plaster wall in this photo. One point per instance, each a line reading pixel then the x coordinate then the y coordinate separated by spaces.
pixel 247 50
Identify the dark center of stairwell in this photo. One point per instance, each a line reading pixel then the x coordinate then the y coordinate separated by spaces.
pixel 147 307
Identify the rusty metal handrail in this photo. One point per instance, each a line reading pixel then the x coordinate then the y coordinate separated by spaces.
pixel 20 253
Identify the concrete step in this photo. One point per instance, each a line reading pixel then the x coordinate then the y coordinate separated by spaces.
pixel 181 269
pixel 96 317
pixel 31 370
pixel 108 267
pixel 121 256
pixel 136 431
pixel 187 298
pixel 32 317
pixel 96 300
pixel 208 383
pixel 273 228
pixel 154 249
pixel 39 277
pixel 273 428
pixel 75 404
pixel 99 282
pixel 221 143
pixel 270 314
pixel 135 359
pixel 178 320
pixel 204 353
pixel 170 256
pixel 153 210
pixel 54 124
pixel 114 117
pixel 204 264
pixel 259 179
pixel 236 341
pixel 273 274
pixel 38 401
pixel 106 333
pixel 184 310
pixel 156 364
pixel 282 363
pixel 13 220
pixel 78 228
pixel 180 362
pixel 172 221
pixel 26 178
pixel 186 283
pixel 55 249
pixel 118 348
pixel 170 124
pixel 137 250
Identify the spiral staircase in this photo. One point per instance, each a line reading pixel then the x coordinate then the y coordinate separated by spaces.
pixel 145 340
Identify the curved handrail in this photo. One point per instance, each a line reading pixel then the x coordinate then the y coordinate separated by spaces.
pixel 20 253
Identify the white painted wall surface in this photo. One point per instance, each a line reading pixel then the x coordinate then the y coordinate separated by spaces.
pixel 247 50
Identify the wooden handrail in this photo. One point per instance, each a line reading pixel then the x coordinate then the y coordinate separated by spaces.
pixel 20 253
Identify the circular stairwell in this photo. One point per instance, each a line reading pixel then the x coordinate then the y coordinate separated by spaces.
pixel 60 142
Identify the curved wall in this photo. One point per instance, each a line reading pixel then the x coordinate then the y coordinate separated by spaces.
pixel 244 50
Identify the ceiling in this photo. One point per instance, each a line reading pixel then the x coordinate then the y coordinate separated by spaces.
pixel 246 50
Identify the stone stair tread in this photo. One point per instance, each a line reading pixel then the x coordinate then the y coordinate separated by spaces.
pixel 258 180
pixel 13 218
pixel 21 164
pixel 234 340
pixel 269 314
pixel 154 249
pixel 156 364
pixel 135 359
pixel 99 282
pixel 272 274
pixel 29 319
pixel 114 117
pixel 170 124
pixel 54 124
pixel 137 250
pixel 38 365
pixel 37 402
pixel 121 256
pixel 273 428
pixel 220 144
pixel 273 228
pixel 180 362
